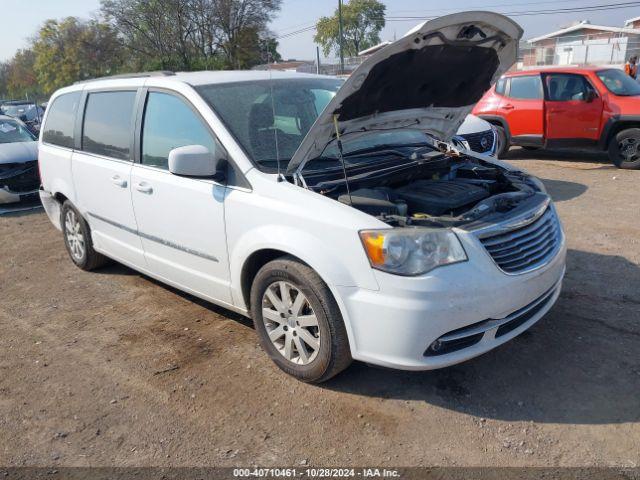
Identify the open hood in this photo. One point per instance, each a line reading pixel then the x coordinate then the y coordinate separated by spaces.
pixel 430 79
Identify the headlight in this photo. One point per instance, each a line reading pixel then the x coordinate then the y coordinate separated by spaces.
pixel 411 251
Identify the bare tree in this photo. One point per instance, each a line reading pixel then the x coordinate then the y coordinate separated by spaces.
pixel 236 20
pixel 191 33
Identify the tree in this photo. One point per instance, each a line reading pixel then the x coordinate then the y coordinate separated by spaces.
pixel 20 77
pixel 73 49
pixel 362 22
pixel 269 50
pixel 188 34
pixel 157 32
pixel 236 21
pixel 4 74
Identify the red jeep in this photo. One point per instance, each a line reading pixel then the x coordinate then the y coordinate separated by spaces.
pixel 567 107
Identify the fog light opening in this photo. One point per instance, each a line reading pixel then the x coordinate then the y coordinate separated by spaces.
pixel 435 346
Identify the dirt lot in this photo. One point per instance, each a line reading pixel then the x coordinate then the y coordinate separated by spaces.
pixel 88 365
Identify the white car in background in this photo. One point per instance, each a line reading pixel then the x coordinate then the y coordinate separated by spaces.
pixel 477 135
pixel 19 178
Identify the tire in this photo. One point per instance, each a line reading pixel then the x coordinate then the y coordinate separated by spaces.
pixel 503 142
pixel 77 239
pixel 624 149
pixel 332 354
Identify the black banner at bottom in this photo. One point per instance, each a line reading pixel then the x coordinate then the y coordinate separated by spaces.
pixel 408 473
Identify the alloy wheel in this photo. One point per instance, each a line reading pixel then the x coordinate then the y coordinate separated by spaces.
pixel 628 148
pixel 291 323
pixel 75 238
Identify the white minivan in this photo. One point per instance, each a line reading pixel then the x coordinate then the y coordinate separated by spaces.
pixel 337 215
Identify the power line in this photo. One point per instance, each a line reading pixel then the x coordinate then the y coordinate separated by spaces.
pixel 587 8
pixel 296 32
pixel 545 2
pixel 440 10
pixel 283 31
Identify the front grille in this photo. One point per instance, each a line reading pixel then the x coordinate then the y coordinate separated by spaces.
pixel 480 142
pixel 528 247
pixel 20 177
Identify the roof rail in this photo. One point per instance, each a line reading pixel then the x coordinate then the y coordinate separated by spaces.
pixel 158 73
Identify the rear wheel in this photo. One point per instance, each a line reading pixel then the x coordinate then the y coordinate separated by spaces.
pixel 298 321
pixel 503 142
pixel 77 239
pixel 624 149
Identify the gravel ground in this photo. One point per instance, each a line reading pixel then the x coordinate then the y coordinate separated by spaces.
pixel 112 368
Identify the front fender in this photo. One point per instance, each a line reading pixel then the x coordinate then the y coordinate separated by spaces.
pixel 321 257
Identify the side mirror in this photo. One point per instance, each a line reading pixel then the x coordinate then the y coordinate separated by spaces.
pixel 194 161
pixel 590 96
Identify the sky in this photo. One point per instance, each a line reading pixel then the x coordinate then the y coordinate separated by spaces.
pixel 21 18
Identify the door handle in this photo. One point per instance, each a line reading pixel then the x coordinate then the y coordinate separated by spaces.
pixel 508 106
pixel 144 187
pixel 117 180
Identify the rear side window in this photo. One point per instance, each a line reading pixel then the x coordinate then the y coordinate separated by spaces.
pixel 170 123
pixel 58 130
pixel 526 88
pixel 108 123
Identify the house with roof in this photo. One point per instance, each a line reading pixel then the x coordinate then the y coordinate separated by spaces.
pixel 632 23
pixel 583 43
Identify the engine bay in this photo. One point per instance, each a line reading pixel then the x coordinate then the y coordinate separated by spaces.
pixel 443 191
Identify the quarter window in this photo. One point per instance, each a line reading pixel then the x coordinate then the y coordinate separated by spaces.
pixel 108 123
pixel 500 86
pixel 526 88
pixel 170 123
pixel 58 129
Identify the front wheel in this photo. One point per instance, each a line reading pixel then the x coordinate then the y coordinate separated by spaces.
pixel 503 142
pixel 624 149
pixel 298 321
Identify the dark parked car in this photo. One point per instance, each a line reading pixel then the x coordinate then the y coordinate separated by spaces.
pixel 19 179
pixel 28 112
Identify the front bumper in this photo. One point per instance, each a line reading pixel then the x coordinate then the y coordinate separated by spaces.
pixel 51 207
pixel 395 325
pixel 19 181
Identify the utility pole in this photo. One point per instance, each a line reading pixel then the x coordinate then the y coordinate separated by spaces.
pixel 340 33
pixel 317 60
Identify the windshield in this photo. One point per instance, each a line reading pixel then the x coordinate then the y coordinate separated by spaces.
pixel 618 82
pixel 29 111
pixel 12 132
pixel 270 118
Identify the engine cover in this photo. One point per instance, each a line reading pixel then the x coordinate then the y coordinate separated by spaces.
pixel 375 201
pixel 437 197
